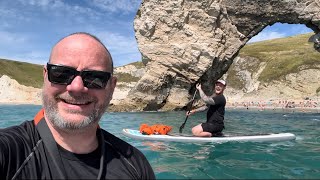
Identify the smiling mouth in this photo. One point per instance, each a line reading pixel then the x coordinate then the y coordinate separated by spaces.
pixel 78 103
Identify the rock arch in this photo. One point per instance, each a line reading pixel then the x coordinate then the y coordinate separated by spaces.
pixel 184 42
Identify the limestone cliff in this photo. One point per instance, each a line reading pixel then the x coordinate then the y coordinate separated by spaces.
pixel 297 85
pixel 184 42
pixel 245 84
pixel 12 92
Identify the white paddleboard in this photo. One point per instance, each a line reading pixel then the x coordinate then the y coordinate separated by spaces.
pixel 192 139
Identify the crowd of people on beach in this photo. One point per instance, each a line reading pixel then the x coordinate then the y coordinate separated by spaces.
pixel 303 104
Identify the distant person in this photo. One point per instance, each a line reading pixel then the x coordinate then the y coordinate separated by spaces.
pixel 215 115
pixel 65 141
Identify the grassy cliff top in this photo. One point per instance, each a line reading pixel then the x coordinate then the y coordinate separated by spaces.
pixel 25 73
pixel 283 56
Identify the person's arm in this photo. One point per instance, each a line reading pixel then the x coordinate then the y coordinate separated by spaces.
pixel 207 99
pixel 200 109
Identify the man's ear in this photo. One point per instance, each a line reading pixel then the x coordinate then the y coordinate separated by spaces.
pixel 113 82
pixel 44 72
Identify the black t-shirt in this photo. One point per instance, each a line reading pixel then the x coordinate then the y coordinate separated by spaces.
pixel 85 166
pixel 26 154
pixel 215 114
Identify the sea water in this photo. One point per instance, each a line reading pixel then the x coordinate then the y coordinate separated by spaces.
pixel 296 159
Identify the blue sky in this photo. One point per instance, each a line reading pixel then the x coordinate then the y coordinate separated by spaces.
pixel 29 28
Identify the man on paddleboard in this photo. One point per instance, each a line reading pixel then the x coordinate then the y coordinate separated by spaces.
pixel 215 104
pixel 65 141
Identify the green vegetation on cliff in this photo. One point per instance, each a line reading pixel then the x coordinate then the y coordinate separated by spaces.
pixel 25 73
pixel 137 64
pixel 127 77
pixel 283 56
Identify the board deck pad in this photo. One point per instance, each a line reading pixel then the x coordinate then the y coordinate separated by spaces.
pixel 177 137
pixel 223 135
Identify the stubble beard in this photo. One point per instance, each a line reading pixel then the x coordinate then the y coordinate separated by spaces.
pixel 52 113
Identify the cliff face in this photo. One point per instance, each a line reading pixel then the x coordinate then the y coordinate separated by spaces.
pixel 12 92
pixel 184 42
pixel 298 85
pixel 245 84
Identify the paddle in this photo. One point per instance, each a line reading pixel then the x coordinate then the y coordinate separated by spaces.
pixel 182 126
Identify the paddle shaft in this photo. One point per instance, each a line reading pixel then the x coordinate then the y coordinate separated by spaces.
pixel 182 126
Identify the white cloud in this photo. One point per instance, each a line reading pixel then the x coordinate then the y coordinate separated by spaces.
pixel 117 42
pixel 40 3
pixel 9 39
pixel 123 6
pixel 43 22
pixel 18 47
pixel 4 12
pixel 8 15
pixel 59 9
pixel 267 35
pixel 123 48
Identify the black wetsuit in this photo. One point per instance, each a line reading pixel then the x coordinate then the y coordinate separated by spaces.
pixel 28 151
pixel 215 115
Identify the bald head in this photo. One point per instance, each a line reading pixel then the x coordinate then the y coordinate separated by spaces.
pixel 87 43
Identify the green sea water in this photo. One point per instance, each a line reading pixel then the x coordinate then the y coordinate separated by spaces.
pixel 297 159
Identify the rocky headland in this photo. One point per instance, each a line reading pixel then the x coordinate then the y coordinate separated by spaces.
pixel 186 42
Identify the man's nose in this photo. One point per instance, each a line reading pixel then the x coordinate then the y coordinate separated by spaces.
pixel 77 85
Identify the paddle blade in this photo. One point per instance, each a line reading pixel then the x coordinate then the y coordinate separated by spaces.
pixel 181 127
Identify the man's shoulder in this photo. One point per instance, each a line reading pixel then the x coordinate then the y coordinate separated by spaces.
pixel 26 126
pixel 21 136
pixel 25 132
pixel 222 96
pixel 220 99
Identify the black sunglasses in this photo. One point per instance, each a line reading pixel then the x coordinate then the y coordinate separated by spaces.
pixel 60 74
